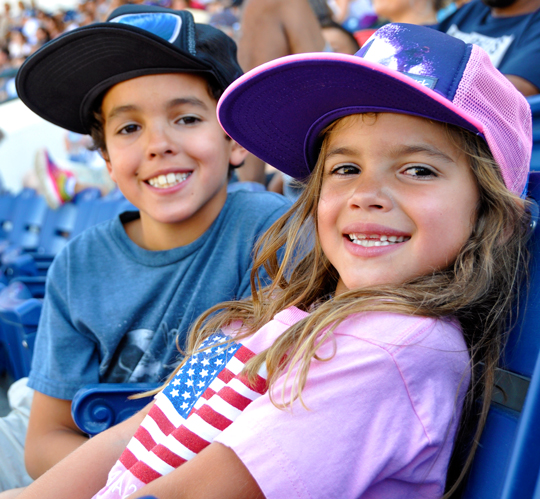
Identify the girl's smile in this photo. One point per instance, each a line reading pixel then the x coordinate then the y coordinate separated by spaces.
pixel 397 201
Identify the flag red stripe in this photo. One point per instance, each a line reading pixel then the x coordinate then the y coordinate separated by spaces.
pixel 208 393
pixel 244 354
pixel 191 440
pixel 234 398
pixel 258 385
pixel 213 418
pixel 225 375
pixel 144 473
pixel 128 459
pixel 161 420
pixel 145 438
pixel 168 456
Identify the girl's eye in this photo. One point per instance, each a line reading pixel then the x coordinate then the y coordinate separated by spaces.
pixel 188 120
pixel 131 128
pixel 419 172
pixel 345 170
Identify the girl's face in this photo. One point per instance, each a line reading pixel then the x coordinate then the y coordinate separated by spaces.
pixel 398 200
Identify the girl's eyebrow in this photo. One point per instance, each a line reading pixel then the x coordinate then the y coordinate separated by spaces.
pixel 421 148
pixel 396 151
pixel 340 151
pixel 182 101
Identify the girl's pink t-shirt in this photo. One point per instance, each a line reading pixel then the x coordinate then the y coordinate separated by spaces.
pixel 382 408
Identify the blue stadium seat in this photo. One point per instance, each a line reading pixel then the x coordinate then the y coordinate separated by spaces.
pixel 507 463
pixel 97 407
pixel 19 317
pixel 43 232
pixel 534 101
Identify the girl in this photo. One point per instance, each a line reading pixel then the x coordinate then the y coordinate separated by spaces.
pixel 347 377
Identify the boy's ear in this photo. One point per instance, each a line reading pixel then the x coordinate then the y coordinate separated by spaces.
pixel 238 154
pixel 108 164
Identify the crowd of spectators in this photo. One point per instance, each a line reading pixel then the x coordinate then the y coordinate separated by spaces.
pixel 26 27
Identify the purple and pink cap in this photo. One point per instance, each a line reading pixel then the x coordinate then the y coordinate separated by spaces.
pixel 278 110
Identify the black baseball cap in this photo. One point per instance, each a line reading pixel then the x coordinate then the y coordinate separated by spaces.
pixel 62 81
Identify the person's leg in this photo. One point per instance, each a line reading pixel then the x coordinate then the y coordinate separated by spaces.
pixel 11 494
pixel 275 28
pixel 272 29
pixel 12 437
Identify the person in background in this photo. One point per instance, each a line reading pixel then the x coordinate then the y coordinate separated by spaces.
pixel 509 31
pixel 272 29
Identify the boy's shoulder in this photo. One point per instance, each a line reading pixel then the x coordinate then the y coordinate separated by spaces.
pixel 253 206
pixel 92 240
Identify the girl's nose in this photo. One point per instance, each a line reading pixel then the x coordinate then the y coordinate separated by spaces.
pixel 370 193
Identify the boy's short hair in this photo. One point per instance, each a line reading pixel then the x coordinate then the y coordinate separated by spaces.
pixel 65 81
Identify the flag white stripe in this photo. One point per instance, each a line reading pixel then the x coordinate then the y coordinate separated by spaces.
pixel 152 427
pixel 200 427
pixel 217 384
pixel 235 366
pixel 157 464
pixel 178 448
pixel 224 408
pixel 170 412
pixel 137 449
pixel 242 389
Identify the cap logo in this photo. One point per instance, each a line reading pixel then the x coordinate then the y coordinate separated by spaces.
pixel 163 24
pixel 401 54
pixel 425 81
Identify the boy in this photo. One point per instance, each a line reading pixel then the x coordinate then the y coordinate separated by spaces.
pixel 145 84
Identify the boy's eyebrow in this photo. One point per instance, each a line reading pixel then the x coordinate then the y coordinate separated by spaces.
pixel 171 104
pixel 187 100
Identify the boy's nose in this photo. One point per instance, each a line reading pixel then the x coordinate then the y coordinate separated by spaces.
pixel 160 143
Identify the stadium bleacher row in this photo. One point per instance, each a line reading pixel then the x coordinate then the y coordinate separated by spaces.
pixel 30 235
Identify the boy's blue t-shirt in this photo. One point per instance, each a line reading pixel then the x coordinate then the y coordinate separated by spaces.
pixel 113 311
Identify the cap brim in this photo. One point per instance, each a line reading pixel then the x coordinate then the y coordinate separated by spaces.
pixel 60 81
pixel 278 110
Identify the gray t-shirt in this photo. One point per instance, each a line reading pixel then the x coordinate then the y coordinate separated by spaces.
pixel 113 311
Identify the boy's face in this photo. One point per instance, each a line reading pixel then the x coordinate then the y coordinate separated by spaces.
pixel 168 153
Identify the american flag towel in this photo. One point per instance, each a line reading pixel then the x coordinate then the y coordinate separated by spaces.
pixel 203 399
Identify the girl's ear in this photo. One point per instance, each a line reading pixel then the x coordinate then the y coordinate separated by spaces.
pixel 238 154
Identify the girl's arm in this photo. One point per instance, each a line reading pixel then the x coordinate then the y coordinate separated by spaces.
pixel 215 473
pixel 81 474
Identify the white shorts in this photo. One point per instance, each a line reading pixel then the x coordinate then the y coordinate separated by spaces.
pixel 12 436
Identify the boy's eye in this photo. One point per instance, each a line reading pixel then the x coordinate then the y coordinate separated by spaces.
pixel 188 120
pixel 345 170
pixel 131 128
pixel 419 172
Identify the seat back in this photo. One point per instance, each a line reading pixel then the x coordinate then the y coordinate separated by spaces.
pixel 535 108
pixel 60 224
pixel 507 462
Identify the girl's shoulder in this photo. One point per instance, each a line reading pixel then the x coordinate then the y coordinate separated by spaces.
pixel 393 332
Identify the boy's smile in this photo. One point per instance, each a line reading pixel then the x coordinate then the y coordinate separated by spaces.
pixel 168 155
pixel 398 200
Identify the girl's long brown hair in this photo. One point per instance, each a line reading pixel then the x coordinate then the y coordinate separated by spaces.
pixel 479 289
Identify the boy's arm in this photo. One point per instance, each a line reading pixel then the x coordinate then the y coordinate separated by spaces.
pixel 52 434
pixel 84 472
pixel 215 473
